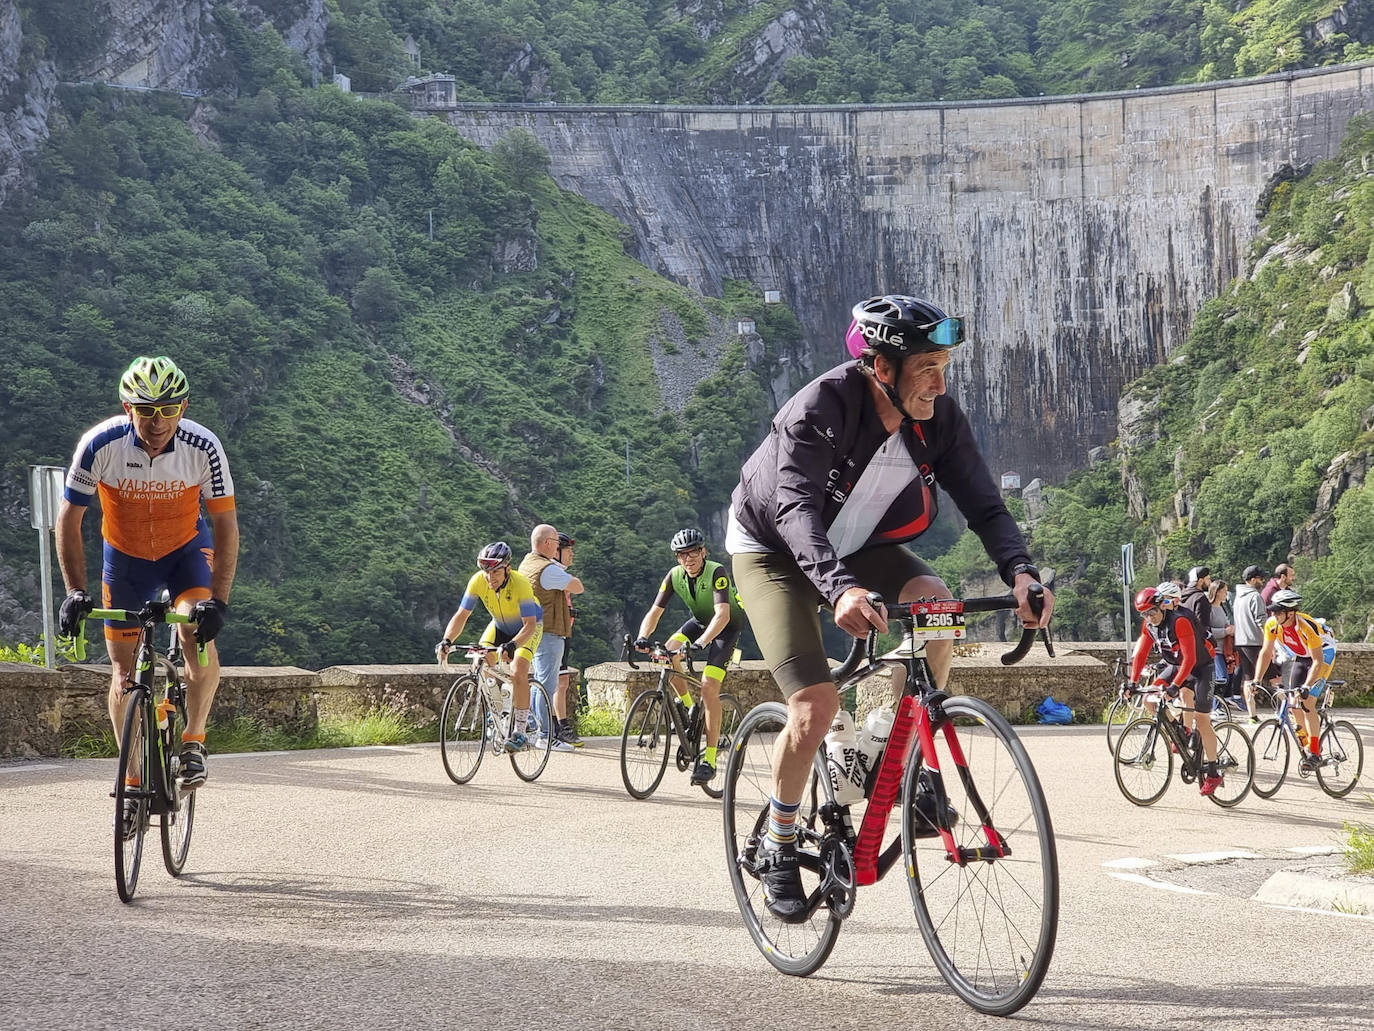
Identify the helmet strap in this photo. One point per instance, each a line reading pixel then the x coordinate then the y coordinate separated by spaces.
pixel 893 397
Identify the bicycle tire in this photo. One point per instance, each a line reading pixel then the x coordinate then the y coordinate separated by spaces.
pixel 645 744
pixel 796 949
pixel 1126 711
pixel 177 823
pixel 1143 763
pixel 731 716
pixel 1235 763
pixel 1343 753
pixel 1002 907
pixel 1271 758
pixel 529 762
pixel 463 729
pixel 133 751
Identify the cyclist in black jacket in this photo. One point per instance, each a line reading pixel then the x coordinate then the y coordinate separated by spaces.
pixel 846 476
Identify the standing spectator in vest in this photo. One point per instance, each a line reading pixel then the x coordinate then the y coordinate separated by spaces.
pixel 1249 615
pixel 1282 580
pixel 553 586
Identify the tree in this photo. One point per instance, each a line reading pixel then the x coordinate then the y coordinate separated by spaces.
pixel 521 157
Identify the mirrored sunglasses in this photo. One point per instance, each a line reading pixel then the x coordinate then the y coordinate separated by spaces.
pixel 945 333
pixel 152 411
pixel 491 564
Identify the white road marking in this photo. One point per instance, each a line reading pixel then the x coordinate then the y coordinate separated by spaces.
pixel 1130 863
pixel 1150 882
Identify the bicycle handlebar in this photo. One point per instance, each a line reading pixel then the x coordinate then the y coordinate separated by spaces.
pixel 149 616
pixel 904 611
pixel 658 652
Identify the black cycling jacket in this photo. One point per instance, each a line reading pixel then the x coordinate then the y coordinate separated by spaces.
pixel 822 439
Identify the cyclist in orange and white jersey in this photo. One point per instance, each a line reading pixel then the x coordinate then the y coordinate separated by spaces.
pixel 1309 655
pixel 152 470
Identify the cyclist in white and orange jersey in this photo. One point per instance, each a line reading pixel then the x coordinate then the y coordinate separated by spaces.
pixel 152 469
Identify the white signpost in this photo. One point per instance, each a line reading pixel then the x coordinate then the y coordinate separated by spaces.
pixel 1127 578
pixel 45 494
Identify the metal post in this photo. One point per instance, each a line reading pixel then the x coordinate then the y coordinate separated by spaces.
pixel 1127 578
pixel 45 490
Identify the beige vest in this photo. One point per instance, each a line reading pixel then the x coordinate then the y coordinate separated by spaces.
pixel 557 618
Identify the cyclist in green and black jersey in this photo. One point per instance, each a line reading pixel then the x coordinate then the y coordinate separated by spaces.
pixel 716 622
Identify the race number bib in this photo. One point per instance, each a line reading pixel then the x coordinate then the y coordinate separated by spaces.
pixel 939 620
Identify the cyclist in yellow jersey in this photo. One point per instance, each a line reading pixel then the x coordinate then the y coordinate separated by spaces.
pixel 1310 655
pixel 515 627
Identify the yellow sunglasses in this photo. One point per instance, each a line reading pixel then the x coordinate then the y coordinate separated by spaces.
pixel 152 411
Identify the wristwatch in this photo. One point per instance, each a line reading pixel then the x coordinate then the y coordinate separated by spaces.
pixel 1025 567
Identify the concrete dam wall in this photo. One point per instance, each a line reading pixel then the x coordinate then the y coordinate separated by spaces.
pixel 1078 234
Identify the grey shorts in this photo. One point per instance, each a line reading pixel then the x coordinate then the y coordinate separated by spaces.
pixel 781 605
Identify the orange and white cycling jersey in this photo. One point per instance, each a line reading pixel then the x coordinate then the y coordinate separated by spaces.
pixel 151 505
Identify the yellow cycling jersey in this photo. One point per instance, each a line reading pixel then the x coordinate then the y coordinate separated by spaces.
pixel 508 604
pixel 1304 639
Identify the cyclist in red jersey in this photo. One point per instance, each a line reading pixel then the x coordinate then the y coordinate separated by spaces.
pixel 1187 667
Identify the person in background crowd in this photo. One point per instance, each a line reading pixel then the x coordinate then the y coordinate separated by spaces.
pixel 1195 599
pixel 1249 617
pixel 568 676
pixel 1282 580
pixel 1223 634
pixel 553 586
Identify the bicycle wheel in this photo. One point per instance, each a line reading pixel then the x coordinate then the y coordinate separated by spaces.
pixel 176 823
pixel 1119 713
pixel 530 761
pixel 128 849
pixel 797 949
pixel 1271 757
pixel 731 716
pixel 1235 763
pixel 644 745
pixel 989 923
pixel 463 729
pixel 1142 762
pixel 1343 756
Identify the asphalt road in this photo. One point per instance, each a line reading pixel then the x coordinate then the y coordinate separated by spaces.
pixel 361 888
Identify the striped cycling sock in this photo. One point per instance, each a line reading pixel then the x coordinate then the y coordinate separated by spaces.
pixel 782 822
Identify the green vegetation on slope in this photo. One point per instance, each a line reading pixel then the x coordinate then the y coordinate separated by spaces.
pixel 390 400
pixel 855 51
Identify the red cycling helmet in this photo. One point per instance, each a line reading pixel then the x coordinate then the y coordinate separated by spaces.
pixel 1146 599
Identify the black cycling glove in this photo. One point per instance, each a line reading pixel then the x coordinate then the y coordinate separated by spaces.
pixel 643 644
pixel 508 651
pixel 76 606
pixel 210 616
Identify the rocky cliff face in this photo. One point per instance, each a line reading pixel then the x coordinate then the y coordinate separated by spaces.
pixel 165 44
pixel 1079 235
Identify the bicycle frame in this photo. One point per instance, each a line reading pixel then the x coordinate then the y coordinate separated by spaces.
pixel 659 655
pixel 919 715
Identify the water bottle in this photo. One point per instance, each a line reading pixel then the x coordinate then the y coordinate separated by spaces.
pixel 841 759
pixel 872 739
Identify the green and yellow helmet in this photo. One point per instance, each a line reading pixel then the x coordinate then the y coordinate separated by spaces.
pixel 151 380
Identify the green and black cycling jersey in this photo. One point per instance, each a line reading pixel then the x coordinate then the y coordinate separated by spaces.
pixel 701 594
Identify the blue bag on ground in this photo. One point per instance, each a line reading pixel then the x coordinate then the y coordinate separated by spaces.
pixel 1054 712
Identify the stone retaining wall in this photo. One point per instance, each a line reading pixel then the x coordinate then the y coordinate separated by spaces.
pixel 42 711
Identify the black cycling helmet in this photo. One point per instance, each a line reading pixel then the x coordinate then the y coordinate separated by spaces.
pixel 564 541
pixel 1282 601
pixel 686 540
pixel 494 555
pixel 897 326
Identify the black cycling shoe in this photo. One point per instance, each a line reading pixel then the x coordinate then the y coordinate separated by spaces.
pixel 926 823
pixel 702 773
pixel 193 772
pixel 782 886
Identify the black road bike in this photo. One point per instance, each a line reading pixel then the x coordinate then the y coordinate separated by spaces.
pixel 146 780
pixel 656 714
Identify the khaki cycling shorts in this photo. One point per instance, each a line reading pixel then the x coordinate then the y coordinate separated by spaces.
pixel 781 605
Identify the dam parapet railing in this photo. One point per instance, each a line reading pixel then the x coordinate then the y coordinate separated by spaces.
pixel 43 712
